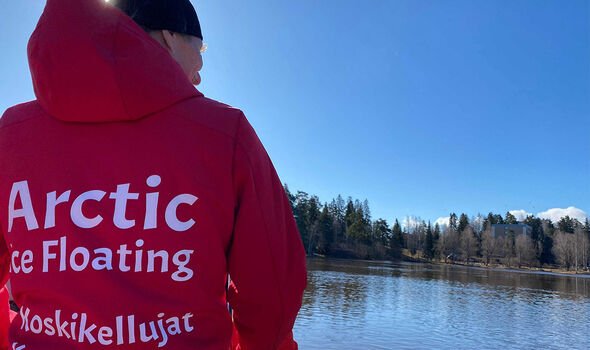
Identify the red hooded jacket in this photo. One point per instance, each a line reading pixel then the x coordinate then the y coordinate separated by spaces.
pixel 127 197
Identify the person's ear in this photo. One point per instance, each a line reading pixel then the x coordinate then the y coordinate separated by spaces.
pixel 169 38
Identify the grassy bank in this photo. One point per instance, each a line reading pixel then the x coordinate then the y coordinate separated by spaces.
pixel 407 256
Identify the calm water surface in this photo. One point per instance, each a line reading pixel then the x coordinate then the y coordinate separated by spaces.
pixel 375 305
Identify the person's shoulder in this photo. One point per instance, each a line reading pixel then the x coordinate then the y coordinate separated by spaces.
pixel 213 114
pixel 222 109
pixel 20 113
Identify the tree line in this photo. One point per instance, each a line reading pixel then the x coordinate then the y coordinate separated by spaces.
pixel 345 229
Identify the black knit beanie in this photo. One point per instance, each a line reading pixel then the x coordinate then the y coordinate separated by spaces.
pixel 175 15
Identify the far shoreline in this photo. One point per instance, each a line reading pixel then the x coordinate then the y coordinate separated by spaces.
pixel 479 266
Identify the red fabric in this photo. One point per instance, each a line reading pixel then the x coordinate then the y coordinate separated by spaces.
pixel 126 198
pixel 5 316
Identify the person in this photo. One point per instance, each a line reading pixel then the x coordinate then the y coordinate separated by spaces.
pixel 128 198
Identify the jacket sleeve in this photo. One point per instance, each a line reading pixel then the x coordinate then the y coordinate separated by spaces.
pixel 266 259
pixel 4 319
pixel 4 261
pixel 4 306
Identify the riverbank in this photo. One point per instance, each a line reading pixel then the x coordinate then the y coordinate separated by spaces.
pixel 478 265
pixel 498 267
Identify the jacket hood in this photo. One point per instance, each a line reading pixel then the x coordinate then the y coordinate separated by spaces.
pixel 91 63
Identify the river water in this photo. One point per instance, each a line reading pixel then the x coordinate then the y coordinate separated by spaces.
pixel 377 305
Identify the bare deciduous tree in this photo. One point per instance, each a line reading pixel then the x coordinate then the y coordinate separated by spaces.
pixel 564 248
pixel 582 248
pixel 468 243
pixel 525 250
pixel 489 245
pixel 448 245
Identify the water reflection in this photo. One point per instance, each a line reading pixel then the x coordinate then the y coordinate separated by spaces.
pixel 375 305
pixel 346 296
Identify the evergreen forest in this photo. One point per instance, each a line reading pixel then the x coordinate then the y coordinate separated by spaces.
pixel 345 229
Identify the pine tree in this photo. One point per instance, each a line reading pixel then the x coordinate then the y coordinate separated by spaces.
pixel 366 211
pixel 510 219
pixel 567 224
pixel 463 222
pixel 436 233
pixel 537 235
pixel 382 232
pixel 300 211
pixel 489 221
pixel 453 222
pixel 326 231
pixel 498 219
pixel 367 225
pixel 547 255
pixel 349 215
pixel 338 209
pixel 398 236
pixel 429 243
pixel 307 213
pixel 312 223
pixel 358 223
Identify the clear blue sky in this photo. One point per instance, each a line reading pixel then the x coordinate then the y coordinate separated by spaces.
pixel 422 107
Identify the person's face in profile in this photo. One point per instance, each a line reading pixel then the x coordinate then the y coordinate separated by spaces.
pixel 186 50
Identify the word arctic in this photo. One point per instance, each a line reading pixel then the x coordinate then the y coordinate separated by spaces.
pixel 20 190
